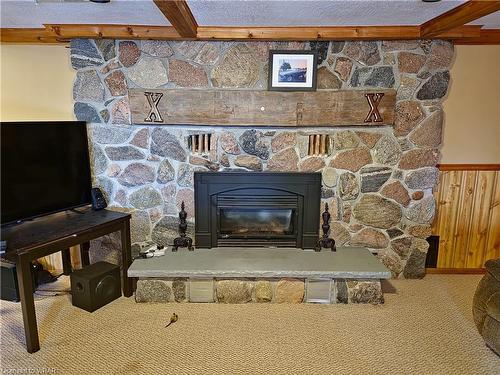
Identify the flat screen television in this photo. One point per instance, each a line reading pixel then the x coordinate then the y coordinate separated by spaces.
pixel 45 168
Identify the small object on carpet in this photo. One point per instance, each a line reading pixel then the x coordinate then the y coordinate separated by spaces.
pixel 173 319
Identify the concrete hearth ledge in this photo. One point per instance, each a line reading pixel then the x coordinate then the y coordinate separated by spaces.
pixel 346 263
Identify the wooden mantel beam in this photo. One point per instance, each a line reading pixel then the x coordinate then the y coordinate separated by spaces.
pixel 459 16
pixel 180 16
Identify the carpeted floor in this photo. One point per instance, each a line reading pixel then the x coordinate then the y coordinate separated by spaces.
pixel 425 327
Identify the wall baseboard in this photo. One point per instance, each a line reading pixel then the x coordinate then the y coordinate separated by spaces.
pixel 469 167
pixel 456 271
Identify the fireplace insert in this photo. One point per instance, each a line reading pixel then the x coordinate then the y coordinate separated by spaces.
pixel 257 209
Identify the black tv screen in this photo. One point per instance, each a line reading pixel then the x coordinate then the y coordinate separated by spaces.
pixel 45 168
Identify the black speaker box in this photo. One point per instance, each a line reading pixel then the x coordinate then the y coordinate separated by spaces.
pixel 95 286
pixel 9 287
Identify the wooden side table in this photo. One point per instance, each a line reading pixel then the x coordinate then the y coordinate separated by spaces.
pixel 46 235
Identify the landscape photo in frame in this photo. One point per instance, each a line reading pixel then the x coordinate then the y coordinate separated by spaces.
pixel 292 70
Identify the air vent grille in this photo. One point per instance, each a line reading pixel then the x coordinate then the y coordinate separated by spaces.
pixel 200 144
pixel 318 145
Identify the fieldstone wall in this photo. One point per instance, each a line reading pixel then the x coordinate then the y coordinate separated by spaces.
pixel 377 180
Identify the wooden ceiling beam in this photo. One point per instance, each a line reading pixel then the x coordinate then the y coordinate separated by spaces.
pixel 467 31
pixel 327 33
pixel 113 31
pixel 486 36
pixel 65 32
pixel 27 35
pixel 180 16
pixel 309 33
pixel 459 16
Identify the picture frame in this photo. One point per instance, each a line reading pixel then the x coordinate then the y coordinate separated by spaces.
pixel 292 70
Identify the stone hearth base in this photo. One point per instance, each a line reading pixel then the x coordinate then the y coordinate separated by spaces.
pixel 286 290
pixel 241 275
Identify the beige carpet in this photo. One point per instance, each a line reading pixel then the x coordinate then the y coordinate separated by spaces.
pixel 425 327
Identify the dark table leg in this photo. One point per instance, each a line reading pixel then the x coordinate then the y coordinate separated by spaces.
pixel 66 261
pixel 134 283
pixel 23 268
pixel 84 253
pixel 126 258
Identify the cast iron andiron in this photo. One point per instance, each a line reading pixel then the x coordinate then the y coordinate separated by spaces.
pixel 183 240
pixel 326 242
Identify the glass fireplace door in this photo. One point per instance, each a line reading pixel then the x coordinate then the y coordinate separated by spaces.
pixel 257 221
pixel 251 222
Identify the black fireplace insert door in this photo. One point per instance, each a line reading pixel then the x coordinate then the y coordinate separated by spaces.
pixel 257 209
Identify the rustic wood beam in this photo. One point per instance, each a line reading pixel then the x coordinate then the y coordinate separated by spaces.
pixel 180 16
pixel 113 31
pixel 261 108
pixel 466 31
pixel 329 33
pixel 487 36
pixel 309 33
pixel 458 16
pixel 63 33
pixel 28 35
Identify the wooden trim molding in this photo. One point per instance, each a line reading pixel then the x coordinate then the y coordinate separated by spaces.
pixel 28 35
pixel 459 16
pixel 469 167
pixel 461 32
pixel 486 36
pixel 450 25
pixel 309 33
pixel 54 33
pixel 65 32
pixel 456 271
pixel 180 16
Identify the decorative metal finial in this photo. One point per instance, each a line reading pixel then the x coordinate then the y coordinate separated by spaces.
pixel 183 240
pixel 326 242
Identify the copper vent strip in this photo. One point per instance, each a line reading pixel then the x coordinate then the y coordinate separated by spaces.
pixel 200 143
pixel 318 145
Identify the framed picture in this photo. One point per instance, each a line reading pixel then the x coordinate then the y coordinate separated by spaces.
pixel 292 70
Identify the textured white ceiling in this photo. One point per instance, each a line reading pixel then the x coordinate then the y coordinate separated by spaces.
pixel 35 13
pixel 491 21
pixel 317 13
pixel 28 13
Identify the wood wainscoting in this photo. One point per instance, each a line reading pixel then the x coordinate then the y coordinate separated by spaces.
pixel 468 215
pixel 53 262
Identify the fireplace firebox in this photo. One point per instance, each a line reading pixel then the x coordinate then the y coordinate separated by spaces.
pixel 257 209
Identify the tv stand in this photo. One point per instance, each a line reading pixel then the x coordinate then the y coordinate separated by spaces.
pixel 49 234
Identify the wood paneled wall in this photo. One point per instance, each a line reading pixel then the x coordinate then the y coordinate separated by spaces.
pixel 53 262
pixel 468 215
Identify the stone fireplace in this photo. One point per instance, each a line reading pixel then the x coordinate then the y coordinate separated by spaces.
pixel 377 180
pixel 257 209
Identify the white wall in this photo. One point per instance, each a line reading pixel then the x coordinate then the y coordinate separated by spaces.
pixel 472 108
pixel 36 82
